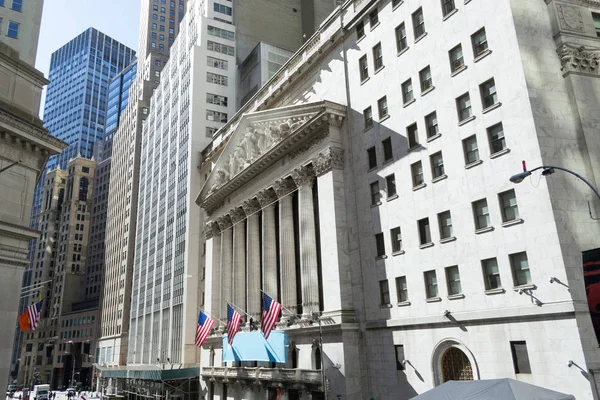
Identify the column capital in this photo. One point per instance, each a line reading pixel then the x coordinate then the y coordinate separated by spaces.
pixel 332 158
pixel 211 229
pixel 251 206
pixel 266 197
pixel 224 222
pixel 237 215
pixel 283 186
pixel 304 176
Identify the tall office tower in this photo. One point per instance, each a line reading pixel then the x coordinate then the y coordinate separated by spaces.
pixel 60 258
pixel 376 186
pixel 21 21
pixel 159 25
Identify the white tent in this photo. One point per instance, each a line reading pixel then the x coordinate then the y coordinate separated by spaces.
pixel 491 389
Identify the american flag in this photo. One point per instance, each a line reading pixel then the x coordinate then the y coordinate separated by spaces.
pixel 234 319
pixel 34 312
pixel 205 324
pixel 270 313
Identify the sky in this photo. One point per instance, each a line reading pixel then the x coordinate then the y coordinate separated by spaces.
pixel 63 20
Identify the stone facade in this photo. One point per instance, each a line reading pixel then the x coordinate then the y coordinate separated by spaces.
pixel 24 20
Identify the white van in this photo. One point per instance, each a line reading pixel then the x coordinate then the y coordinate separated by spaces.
pixel 40 392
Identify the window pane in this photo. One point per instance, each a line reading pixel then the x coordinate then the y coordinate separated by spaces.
pixel 399 357
pixel 482 217
pixel 401 41
pixel 453 279
pixel 364 68
pixel 368 117
pixel 379 242
pixel 390 184
pixel 471 150
pixel 456 58
pixel 407 91
pixel 396 238
pixel 508 202
pixel 424 231
pixel 417 173
pixel 413 135
pixel 388 153
pixel 372 155
pixel 437 165
pixel 491 274
pixel 463 103
pixel 489 97
pixel 479 41
pixel 382 106
pixel 432 124
pixel 445 220
pixel 384 290
pixel 520 357
pixel 375 195
pixel 425 78
pixel 418 23
pixel 497 141
pixel 431 284
pixel 447 6
pixel 520 267
pixel 378 57
pixel 402 289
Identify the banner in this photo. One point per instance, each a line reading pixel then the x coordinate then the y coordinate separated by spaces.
pixel 591 278
pixel 252 346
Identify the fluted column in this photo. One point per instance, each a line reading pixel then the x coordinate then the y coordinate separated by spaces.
pixel 213 268
pixel 266 198
pixel 238 217
pixel 304 178
pixel 287 251
pixel 251 208
pixel 226 261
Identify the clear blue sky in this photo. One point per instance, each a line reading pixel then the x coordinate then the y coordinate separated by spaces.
pixel 62 20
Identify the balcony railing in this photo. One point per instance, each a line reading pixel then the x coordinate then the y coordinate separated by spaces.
pixel 259 374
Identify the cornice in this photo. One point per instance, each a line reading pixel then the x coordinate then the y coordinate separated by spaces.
pixel 36 135
pixel 17 231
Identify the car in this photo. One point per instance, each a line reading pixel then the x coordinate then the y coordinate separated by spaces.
pixel 71 391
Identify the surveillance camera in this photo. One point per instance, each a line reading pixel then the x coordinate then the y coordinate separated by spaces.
pixel 570 363
pixel 446 313
pixel 521 291
pixel 552 280
pixel 404 362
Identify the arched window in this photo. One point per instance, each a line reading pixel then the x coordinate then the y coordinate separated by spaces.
pixel 83 189
pixel 456 366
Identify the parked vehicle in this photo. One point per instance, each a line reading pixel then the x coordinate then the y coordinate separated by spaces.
pixel 71 391
pixel 40 392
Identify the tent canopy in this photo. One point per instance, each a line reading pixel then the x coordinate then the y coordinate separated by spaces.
pixel 491 389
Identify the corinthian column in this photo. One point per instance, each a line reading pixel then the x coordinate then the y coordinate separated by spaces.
pixel 212 268
pixel 287 250
pixel 267 198
pixel 226 261
pixel 304 178
pixel 239 257
pixel 251 208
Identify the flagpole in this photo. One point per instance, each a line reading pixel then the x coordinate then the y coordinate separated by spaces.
pixel 205 312
pixel 282 307
pixel 233 305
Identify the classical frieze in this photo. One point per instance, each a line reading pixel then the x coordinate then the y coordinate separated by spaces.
pixel 578 59
pixel 570 18
pixel 331 158
pixel 315 140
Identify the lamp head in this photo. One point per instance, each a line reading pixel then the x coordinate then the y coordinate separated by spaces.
pixel 518 178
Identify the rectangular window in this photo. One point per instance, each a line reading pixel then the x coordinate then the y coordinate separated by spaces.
pixel 384 292
pixel 402 289
pixel 382 107
pixel 496 138
pixel 222 33
pixel 431 287
pixel 210 131
pixel 520 268
pixel 424 231
pixel 457 60
pixel 437 165
pixel 220 48
pixel 412 133
pixel 418 23
pixel 416 170
pixel 363 66
pixel 407 91
pixel 216 63
pixel 216 78
pixel 471 150
pixel 447 7
pixel 445 222
pixel 216 116
pixel 222 9
pixel 375 194
pixel 373 18
pixel 17 5
pixel 508 203
pixel 520 357
pixel 479 41
pixel 401 40
pixel 489 97
pixel 368 117
pixel 360 30
pixel 380 245
pixel 481 214
pixel 399 355
pixel 431 123
pixel 372 156
pixel 463 106
pixel 216 99
pixel 388 153
pixel 425 79
pixel 378 57
pixel 491 275
pixel 596 18
pixel 390 185
pixel 453 280
pixel 396 237
pixel 13 30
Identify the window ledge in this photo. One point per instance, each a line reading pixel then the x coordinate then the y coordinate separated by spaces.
pixel 378 69
pixel 376 204
pixel 484 230
pixel 408 103
pixel 368 128
pixel 448 239
pixel 473 164
pixel 456 296
pixel 529 286
pixel 404 50
pixel 399 4
pixel 428 90
pixel 494 291
pixel 432 138
pixel 374 26
pixel 386 162
pixel 384 118
pixel 426 245
pixel 404 304
pixel 383 257
pixel 421 186
pixel 466 120
pixel 398 253
pixel 451 13
pixel 385 306
pixel 365 80
pixel 433 299
pixel 358 40
pixel 500 153
pixel 490 108
pixel 458 71
pixel 413 147
pixel 394 197
pixel 467 1
pixel 439 178
pixel 513 222
pixel 420 37
pixel 372 169
pixel 482 55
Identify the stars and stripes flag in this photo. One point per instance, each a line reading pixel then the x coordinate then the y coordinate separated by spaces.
pixel 234 319
pixel 205 324
pixel 30 319
pixel 270 313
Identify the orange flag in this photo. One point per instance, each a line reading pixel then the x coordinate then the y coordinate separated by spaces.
pixel 24 322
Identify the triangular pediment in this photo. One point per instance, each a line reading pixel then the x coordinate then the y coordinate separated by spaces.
pixel 260 139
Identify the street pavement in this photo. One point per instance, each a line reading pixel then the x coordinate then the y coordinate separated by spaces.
pixel 63 396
